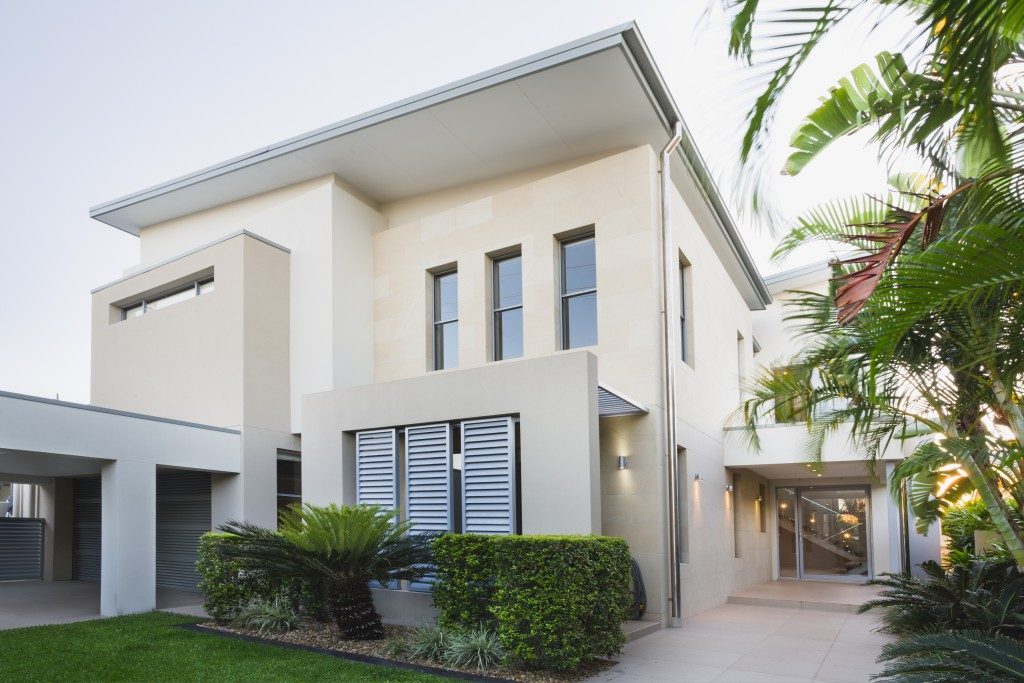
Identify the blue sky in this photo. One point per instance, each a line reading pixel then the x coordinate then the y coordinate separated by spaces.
pixel 104 98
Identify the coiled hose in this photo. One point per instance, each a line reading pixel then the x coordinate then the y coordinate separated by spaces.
pixel 639 592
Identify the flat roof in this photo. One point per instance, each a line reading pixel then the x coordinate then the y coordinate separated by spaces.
pixel 598 94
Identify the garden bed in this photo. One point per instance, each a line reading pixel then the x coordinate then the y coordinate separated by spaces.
pixel 324 637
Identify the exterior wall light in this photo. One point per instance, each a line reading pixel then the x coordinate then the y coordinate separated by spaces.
pixel 623 462
pixel 697 477
pixel 729 488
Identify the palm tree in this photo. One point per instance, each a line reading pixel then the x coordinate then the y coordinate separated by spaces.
pixel 957 102
pixel 926 335
pixel 339 551
pixel 938 350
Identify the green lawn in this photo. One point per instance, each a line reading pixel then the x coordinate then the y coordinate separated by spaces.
pixel 150 647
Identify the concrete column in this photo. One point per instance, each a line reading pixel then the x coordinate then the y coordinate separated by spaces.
pixel 128 565
pixel 55 507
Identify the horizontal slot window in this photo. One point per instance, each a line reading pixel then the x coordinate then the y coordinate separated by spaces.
pixel 168 298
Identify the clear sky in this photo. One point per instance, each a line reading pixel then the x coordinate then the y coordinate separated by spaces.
pixel 100 99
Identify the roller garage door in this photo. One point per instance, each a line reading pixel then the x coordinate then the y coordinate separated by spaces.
pixel 85 529
pixel 182 516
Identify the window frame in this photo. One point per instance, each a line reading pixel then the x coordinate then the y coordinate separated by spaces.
pixel 686 341
pixel 497 353
pixel 197 287
pixel 565 296
pixel 438 324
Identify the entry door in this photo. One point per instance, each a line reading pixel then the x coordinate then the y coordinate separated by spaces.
pixel 823 532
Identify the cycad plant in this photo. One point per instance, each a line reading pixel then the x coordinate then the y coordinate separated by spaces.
pixel 340 551
pixel 953 657
pixel 981 594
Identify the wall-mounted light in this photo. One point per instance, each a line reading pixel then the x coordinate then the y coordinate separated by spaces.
pixel 729 488
pixel 760 499
pixel 697 477
pixel 457 461
pixel 623 462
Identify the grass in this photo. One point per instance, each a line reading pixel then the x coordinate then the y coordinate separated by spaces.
pixel 150 647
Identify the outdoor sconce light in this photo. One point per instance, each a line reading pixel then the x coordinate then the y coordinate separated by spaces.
pixel 760 499
pixel 728 488
pixel 623 462
pixel 697 477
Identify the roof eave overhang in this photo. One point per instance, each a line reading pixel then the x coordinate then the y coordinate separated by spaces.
pixel 626 37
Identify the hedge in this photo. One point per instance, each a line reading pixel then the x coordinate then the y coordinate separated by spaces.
pixel 227 588
pixel 555 601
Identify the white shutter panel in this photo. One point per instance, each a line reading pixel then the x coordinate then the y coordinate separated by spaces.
pixel 489 476
pixel 377 468
pixel 428 472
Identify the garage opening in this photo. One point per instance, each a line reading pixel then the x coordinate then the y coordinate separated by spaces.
pixel 182 516
pixel 85 529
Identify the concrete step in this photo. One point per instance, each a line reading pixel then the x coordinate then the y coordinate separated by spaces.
pixel 635 629
pixel 793 604
pixel 828 596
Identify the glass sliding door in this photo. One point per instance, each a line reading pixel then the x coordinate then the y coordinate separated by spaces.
pixel 786 504
pixel 823 532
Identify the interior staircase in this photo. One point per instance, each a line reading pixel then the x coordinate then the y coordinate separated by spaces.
pixel 787 524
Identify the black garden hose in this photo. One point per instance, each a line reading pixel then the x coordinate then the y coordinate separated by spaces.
pixel 639 592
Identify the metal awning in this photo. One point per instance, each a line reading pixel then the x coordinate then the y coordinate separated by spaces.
pixel 613 404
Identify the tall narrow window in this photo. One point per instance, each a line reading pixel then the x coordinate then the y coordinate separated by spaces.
pixel 579 293
pixel 446 320
pixel 289 478
pixel 682 508
pixel 685 343
pixel 508 307
pixel 762 507
pixel 741 363
pixel 735 501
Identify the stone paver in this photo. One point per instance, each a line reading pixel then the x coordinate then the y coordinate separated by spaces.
pixel 750 643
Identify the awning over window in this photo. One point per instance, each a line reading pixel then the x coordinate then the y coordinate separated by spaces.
pixel 612 404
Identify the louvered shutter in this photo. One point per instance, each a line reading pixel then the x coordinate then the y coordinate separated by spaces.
pixel 377 468
pixel 489 476
pixel 429 474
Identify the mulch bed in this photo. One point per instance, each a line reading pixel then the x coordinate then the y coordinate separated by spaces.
pixel 324 638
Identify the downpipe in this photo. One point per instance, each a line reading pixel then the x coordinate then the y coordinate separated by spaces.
pixel 669 375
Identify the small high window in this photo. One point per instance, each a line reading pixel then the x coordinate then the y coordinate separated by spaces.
pixel 446 320
pixel 508 307
pixel 168 298
pixel 289 479
pixel 579 293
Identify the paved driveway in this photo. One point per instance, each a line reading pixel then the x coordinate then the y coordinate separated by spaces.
pixel 748 643
pixel 33 603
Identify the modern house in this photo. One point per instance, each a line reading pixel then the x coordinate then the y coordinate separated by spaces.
pixel 514 304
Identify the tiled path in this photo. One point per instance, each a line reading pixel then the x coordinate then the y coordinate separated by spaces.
pixel 749 643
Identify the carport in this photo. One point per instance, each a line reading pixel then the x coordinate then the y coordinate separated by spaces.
pixel 122 495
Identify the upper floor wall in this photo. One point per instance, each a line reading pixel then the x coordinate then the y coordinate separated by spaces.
pixel 359 285
pixel 612 198
pixel 212 344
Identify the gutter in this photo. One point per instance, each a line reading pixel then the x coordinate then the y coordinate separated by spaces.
pixel 669 374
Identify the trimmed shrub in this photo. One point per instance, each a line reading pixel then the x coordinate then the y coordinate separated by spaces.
pixel 555 601
pixel 464 589
pixel 226 588
pixel 229 589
